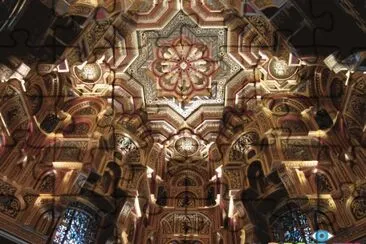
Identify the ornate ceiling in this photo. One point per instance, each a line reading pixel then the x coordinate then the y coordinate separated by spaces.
pixel 178 121
pixel 183 63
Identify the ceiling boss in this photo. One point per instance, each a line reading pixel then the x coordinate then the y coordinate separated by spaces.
pixel 184 69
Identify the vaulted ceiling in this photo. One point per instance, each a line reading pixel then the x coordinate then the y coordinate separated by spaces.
pixel 175 120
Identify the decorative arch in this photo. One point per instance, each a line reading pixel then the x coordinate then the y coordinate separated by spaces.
pixel 45 222
pixel 358 203
pixel 284 108
pixel 287 104
pixel 85 106
pixel 126 148
pixel 256 176
pixel 42 214
pixel 47 182
pixel 327 84
pixel 187 178
pixel 79 127
pixel 52 85
pixel 10 206
pixel 186 181
pixel 182 223
pixel 135 125
pixel 245 143
pixel 195 172
pixel 293 124
pixel 111 176
pixel 321 182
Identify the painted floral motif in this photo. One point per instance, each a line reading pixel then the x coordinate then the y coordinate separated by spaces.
pixel 186 146
pixel 358 205
pixel 280 70
pixel 89 73
pixel 184 70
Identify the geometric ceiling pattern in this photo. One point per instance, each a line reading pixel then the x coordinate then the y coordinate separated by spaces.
pixel 181 121
pixel 183 66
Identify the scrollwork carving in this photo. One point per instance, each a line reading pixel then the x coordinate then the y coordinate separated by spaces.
pixel 234 178
pixel 358 208
pixel 9 204
pixel 242 145
pixel 358 205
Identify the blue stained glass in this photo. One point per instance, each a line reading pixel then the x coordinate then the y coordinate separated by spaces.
pixel 76 227
pixel 292 227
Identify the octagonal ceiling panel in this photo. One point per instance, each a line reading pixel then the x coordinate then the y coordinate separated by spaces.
pixel 183 66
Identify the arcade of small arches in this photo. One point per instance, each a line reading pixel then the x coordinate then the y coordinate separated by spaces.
pixel 167 122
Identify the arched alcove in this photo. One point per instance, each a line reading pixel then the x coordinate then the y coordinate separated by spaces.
pixel 47 183
pixel 162 196
pixel 45 222
pixel 110 177
pixel 256 177
pixel 321 183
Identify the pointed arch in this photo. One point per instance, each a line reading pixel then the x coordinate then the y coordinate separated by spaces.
pixel 47 182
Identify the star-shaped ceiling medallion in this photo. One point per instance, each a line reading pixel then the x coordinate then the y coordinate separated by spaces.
pixel 183 66
pixel 183 69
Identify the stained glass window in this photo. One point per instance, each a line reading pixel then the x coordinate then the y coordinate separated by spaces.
pixel 292 227
pixel 77 226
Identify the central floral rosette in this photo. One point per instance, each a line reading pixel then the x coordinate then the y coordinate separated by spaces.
pixel 184 69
